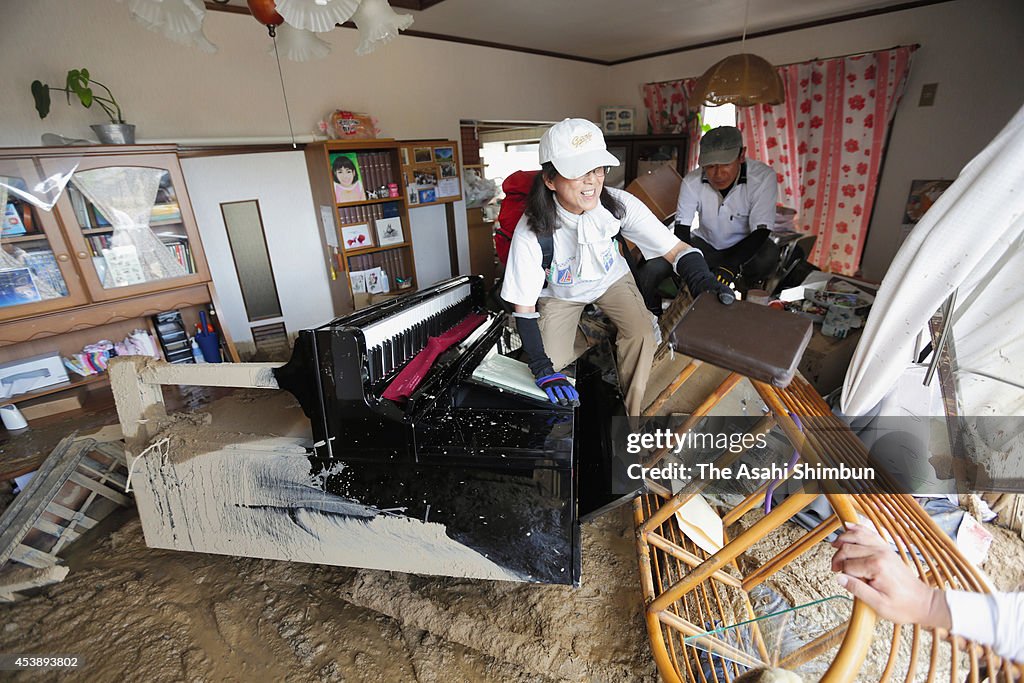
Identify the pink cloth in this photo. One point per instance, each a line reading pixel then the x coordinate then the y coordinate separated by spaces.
pixel 669 111
pixel 826 143
pixel 412 374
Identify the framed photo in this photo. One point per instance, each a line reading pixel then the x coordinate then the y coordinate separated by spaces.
pixel 376 281
pixel 358 278
pixel 448 171
pixel 413 197
pixel 389 231
pixel 423 155
pixel 618 119
pixel 356 237
pixel 424 178
pixel 405 155
pixel 444 155
pixel 923 193
pixel 428 195
pixel 347 177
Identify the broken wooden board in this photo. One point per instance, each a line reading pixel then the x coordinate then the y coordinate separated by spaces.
pixel 78 484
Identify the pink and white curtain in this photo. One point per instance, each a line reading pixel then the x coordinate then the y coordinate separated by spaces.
pixel 826 142
pixel 668 111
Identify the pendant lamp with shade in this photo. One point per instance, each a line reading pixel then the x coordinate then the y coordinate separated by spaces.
pixel 742 79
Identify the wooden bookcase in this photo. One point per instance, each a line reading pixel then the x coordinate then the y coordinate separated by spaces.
pixel 61 285
pixel 367 242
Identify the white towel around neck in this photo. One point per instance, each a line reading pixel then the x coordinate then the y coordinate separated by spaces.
pixel 594 229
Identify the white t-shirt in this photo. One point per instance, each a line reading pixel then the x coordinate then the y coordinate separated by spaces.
pixel 524 277
pixel 749 204
pixel 995 619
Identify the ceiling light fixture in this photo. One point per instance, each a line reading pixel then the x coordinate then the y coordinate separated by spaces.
pixel 378 24
pixel 182 22
pixel 742 79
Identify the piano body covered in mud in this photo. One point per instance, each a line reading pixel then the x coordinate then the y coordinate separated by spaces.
pixel 470 443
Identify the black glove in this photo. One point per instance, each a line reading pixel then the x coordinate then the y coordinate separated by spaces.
pixel 694 271
pixel 554 384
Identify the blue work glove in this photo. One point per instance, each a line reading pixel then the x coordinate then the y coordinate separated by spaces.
pixel 559 390
pixel 554 384
pixel 694 271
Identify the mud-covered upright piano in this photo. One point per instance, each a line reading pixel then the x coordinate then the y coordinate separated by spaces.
pixel 468 443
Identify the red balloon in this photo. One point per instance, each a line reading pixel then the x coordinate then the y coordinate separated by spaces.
pixel 265 12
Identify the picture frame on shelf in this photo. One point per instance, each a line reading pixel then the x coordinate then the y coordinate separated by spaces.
pixel 347 177
pixel 427 195
pixel 424 178
pixel 389 231
pixel 444 155
pixel 377 281
pixel 423 155
pixel 356 237
pixel 358 279
pixel 448 170
pixel 404 151
pixel 618 120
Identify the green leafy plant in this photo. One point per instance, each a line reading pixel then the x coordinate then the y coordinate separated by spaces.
pixel 79 84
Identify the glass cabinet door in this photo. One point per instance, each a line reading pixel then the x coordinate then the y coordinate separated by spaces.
pixel 36 270
pixel 650 156
pixel 132 229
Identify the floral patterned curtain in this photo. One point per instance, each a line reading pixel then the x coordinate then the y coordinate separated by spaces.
pixel 826 143
pixel 668 111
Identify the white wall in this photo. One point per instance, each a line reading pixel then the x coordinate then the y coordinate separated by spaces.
pixel 416 88
pixel 973 49
pixel 280 183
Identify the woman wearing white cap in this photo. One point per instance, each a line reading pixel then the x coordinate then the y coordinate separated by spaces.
pixel 569 203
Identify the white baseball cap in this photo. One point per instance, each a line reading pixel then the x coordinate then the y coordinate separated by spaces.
pixel 575 147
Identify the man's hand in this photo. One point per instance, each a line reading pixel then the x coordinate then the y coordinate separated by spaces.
pixel 698 278
pixel 874 573
pixel 559 389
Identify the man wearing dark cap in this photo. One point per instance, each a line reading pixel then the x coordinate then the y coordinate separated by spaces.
pixel 734 199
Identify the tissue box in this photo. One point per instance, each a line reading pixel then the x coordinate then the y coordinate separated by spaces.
pixel 29 374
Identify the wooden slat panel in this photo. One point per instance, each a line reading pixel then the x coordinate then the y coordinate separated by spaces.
pixel 32 557
pixel 99 488
pixel 78 517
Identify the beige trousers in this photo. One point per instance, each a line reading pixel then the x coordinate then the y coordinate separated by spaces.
pixel 634 342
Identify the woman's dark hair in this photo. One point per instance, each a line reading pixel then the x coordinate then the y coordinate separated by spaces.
pixel 541 208
pixel 341 162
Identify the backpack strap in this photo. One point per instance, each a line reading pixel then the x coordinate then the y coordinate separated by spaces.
pixel 547 250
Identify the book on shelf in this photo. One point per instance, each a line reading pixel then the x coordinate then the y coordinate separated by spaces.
pixel 43 265
pixel 80 207
pixel 165 213
pixel 12 224
pixel 124 266
pixel 17 286
pixel 180 248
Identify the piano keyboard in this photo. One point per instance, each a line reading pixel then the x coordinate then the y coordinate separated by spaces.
pixel 394 340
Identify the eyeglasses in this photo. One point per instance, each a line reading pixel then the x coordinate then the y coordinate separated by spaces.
pixel 599 172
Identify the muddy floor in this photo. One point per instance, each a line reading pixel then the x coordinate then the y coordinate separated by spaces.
pixel 134 613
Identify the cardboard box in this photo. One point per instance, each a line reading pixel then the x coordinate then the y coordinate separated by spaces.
pixel 29 374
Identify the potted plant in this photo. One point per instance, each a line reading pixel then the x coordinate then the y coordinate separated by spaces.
pixel 117 132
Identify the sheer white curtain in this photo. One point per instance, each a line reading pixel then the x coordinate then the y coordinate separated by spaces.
pixel 126 195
